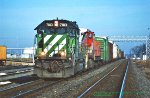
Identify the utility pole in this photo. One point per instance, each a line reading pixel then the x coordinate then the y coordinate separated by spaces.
pixel 148 45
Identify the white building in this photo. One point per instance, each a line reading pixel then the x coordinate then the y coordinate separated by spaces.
pixel 28 52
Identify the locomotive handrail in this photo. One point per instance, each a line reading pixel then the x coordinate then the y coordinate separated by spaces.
pixel 72 50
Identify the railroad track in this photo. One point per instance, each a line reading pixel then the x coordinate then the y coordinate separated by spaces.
pixel 12 67
pixel 110 85
pixel 72 86
pixel 16 86
pixel 37 89
pixel 26 89
pixel 15 69
pixel 15 73
pixel 16 81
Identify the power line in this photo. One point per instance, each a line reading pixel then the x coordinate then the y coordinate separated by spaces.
pixel 145 39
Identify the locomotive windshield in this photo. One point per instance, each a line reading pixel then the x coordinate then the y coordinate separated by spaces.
pixel 60 30
pixel 55 30
pixel 90 35
pixel 72 32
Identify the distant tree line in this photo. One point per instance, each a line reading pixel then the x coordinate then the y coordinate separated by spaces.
pixel 139 50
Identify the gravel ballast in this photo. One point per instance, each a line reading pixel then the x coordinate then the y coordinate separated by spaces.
pixel 71 87
pixel 143 82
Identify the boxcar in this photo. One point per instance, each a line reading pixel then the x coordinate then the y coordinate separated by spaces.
pixel 2 55
pixel 104 48
pixel 110 45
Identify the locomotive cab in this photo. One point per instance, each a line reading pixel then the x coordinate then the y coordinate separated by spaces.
pixel 57 53
pixel 90 49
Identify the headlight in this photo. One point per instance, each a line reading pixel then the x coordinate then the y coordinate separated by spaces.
pixel 42 53
pixel 62 53
pixel 56 23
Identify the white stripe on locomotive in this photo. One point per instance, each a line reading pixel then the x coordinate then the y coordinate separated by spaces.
pixel 63 43
pixel 49 46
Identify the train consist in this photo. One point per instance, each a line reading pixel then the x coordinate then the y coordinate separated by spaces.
pixel 62 49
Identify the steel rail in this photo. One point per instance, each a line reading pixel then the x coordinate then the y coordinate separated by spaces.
pixel 20 95
pixel 87 90
pixel 123 82
pixel 16 69
pixel 23 84
pixel 16 74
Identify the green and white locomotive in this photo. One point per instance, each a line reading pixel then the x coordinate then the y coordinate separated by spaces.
pixel 57 49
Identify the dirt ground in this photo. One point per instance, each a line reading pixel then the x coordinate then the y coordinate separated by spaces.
pixel 144 65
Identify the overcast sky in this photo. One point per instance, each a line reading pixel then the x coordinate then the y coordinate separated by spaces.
pixel 18 18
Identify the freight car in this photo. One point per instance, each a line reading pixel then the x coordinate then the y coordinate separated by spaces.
pixel 104 46
pixel 2 55
pixel 110 47
pixel 122 55
pixel 61 52
pixel 115 51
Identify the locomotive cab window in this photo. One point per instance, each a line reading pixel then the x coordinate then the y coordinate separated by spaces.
pixel 72 32
pixel 47 31
pixel 40 31
pixel 90 35
pixel 52 30
pixel 40 35
pixel 55 30
pixel 61 30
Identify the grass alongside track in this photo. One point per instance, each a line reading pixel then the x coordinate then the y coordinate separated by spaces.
pixel 145 63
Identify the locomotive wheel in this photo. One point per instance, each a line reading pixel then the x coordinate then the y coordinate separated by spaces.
pixel 90 63
pixel 77 66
